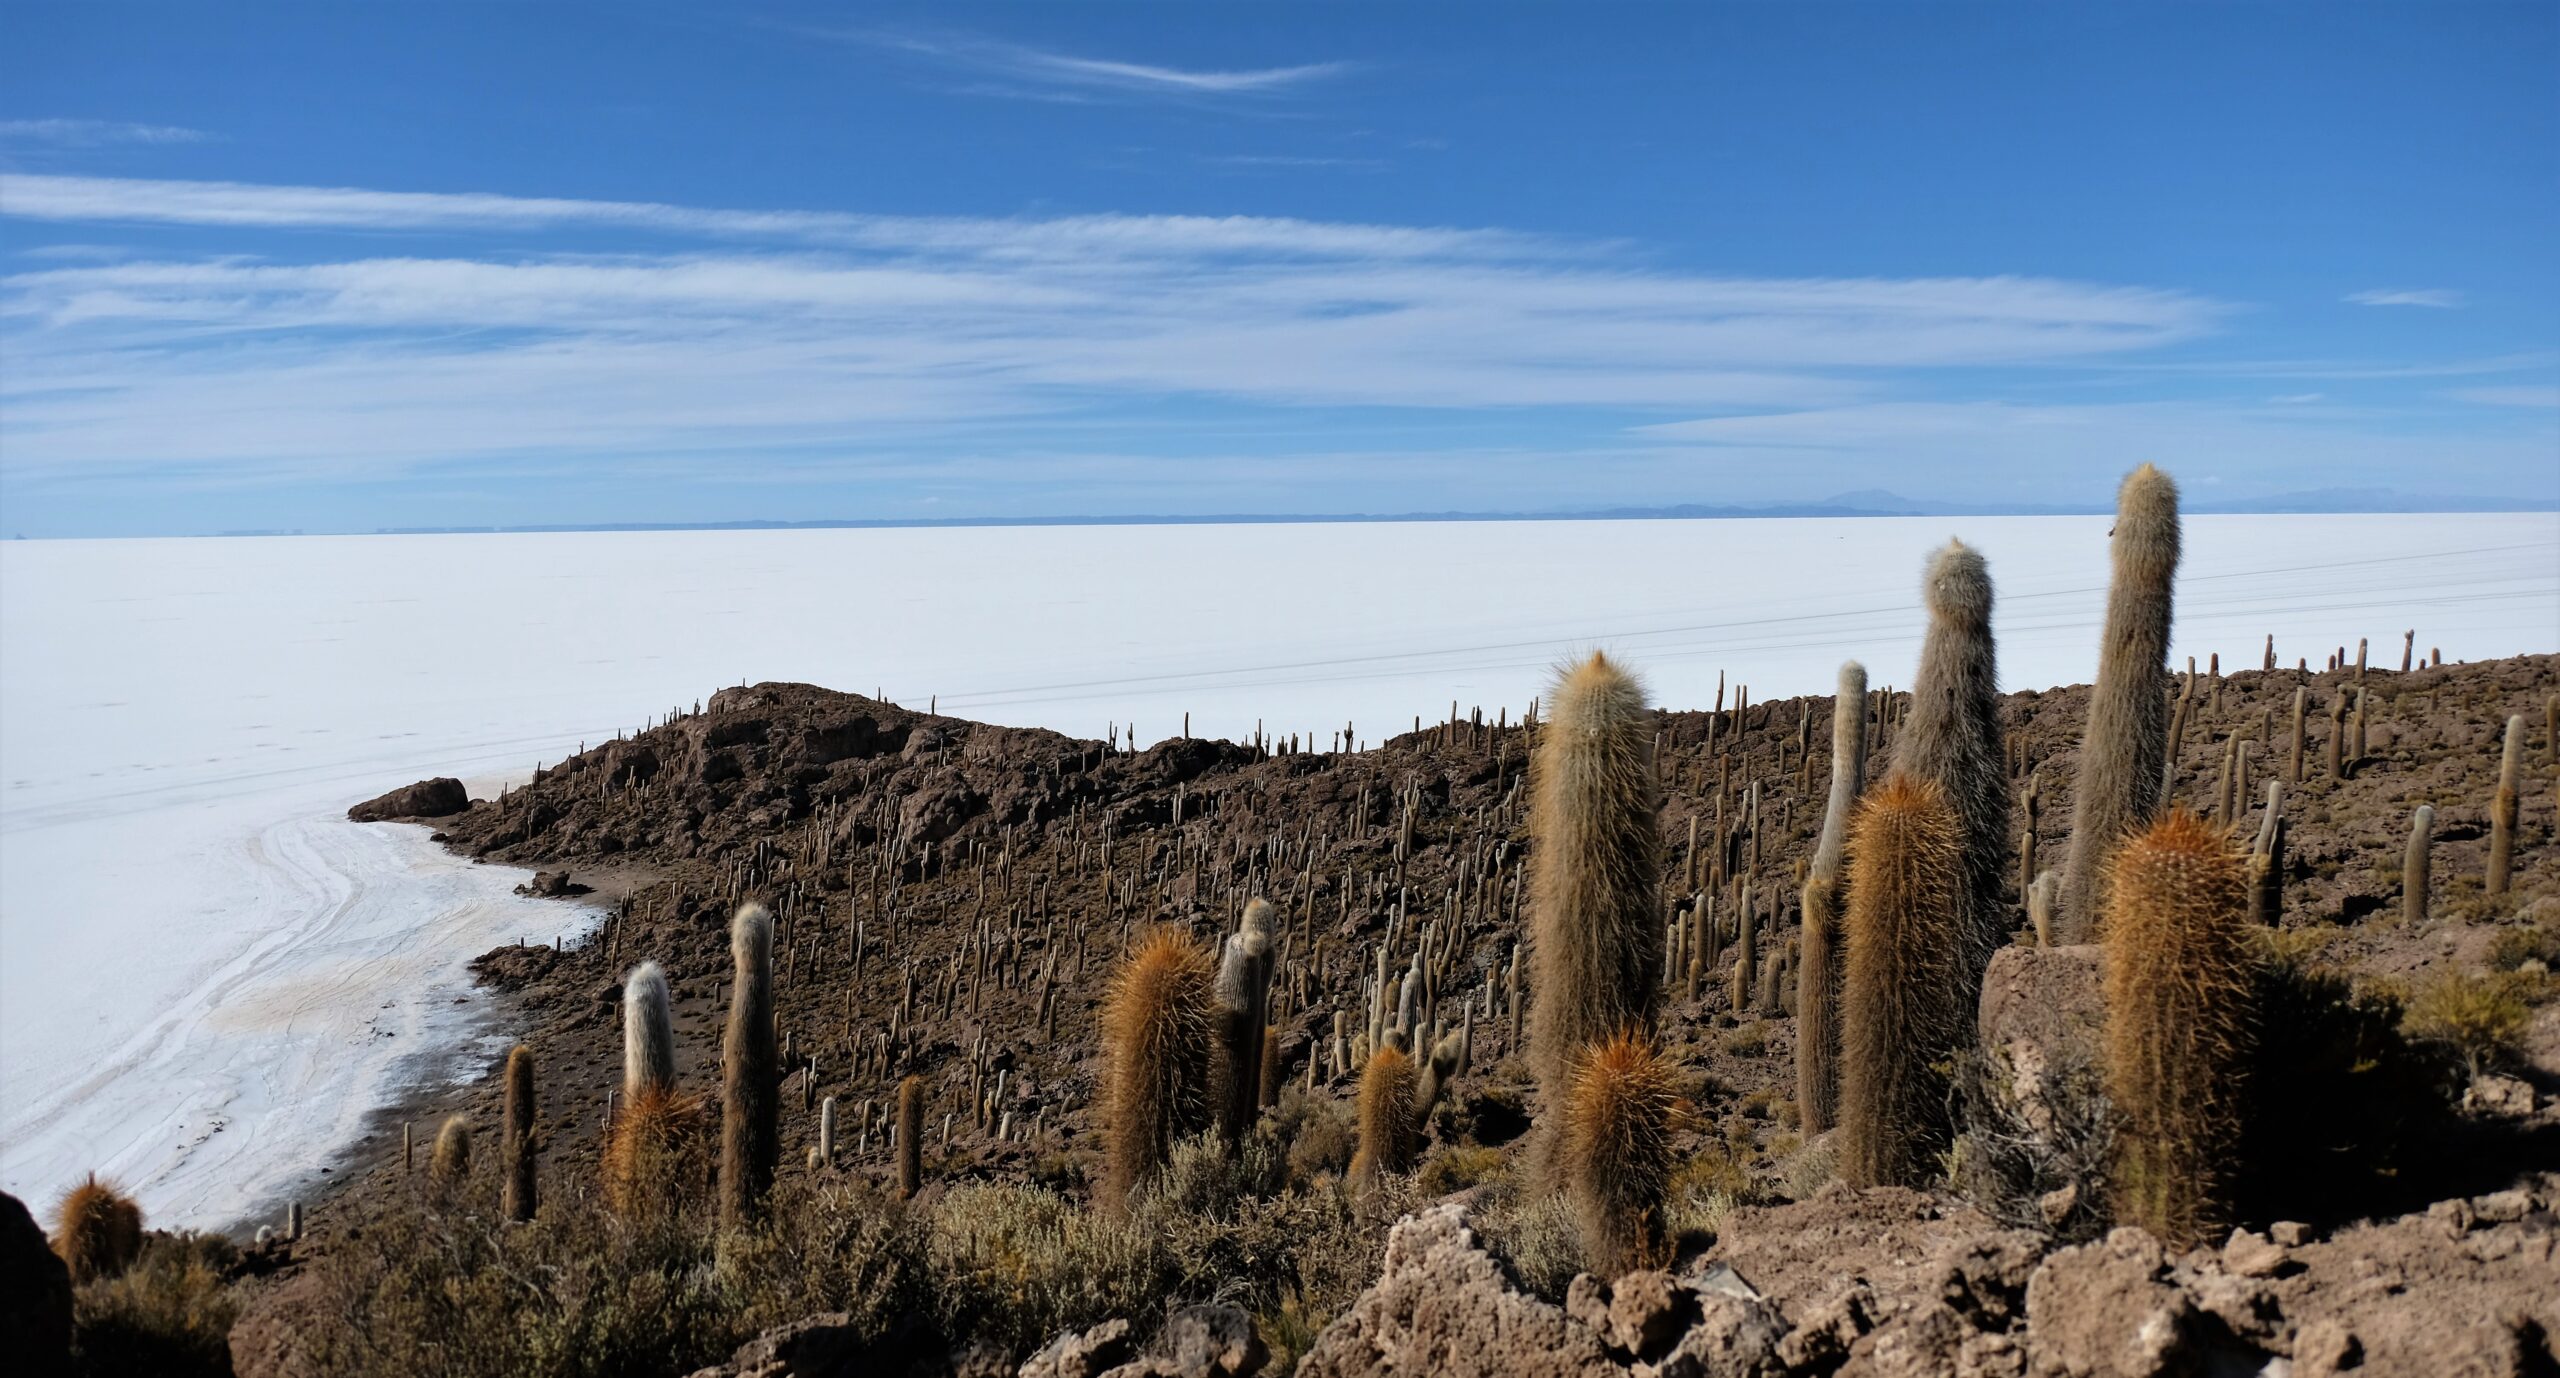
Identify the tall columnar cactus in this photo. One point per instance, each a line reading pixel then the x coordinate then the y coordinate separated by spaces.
pixel 2123 755
pixel 2502 809
pixel 1595 861
pixel 2415 867
pixel 1160 1034
pixel 1389 1130
pixel 1902 1015
pixel 517 1145
pixel 1818 1009
pixel 450 1161
pixel 97 1231
pixel 1848 769
pixel 655 1130
pixel 2178 986
pixel 751 1076
pixel 1622 1109
pixel 910 1137
pixel 1244 1001
pixel 1952 739
pixel 648 1032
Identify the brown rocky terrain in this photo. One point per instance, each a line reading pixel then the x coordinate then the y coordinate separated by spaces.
pixel 951 896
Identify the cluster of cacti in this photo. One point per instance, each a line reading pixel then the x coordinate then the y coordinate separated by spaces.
pixel 2124 753
pixel 2179 977
pixel 1902 1013
pixel 750 1073
pixel 97 1231
pixel 1160 1030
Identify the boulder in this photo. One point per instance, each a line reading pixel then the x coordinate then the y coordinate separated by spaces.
pixel 35 1295
pixel 1443 1306
pixel 440 797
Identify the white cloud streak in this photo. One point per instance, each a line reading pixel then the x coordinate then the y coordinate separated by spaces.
pixel 2437 298
pixel 2538 396
pixel 775 331
pixel 68 133
pixel 1039 68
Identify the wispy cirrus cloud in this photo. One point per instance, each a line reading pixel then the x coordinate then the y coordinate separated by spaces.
pixel 2537 395
pixel 709 331
pixel 69 133
pixel 1022 70
pixel 2437 298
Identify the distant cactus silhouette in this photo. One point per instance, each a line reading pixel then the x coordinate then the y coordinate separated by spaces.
pixel 1616 1156
pixel 1952 739
pixel 2124 752
pixel 450 1161
pixel 1244 999
pixel 1160 1030
pixel 516 1144
pixel 2179 978
pixel 1389 1130
pixel 1902 1017
pixel 750 1079
pixel 910 1137
pixel 97 1231
pixel 1594 867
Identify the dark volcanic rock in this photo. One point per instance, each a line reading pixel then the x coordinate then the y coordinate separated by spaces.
pixel 441 797
pixel 35 1295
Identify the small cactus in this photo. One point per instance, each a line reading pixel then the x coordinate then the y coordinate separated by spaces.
pixel 450 1160
pixel 2042 897
pixel 910 1137
pixel 2179 979
pixel 97 1231
pixel 1389 1130
pixel 1616 1152
pixel 750 1083
pixel 1160 1032
pixel 517 1147
pixel 2502 808
pixel 1901 1016
pixel 2124 754
pixel 2415 867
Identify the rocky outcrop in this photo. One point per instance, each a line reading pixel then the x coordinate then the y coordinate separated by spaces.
pixel 35 1294
pixel 441 797
pixel 1197 1342
pixel 1896 1284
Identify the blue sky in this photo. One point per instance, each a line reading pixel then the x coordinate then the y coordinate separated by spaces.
pixel 349 266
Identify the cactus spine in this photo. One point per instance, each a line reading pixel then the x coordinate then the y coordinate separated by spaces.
pixel 910 1137
pixel 750 1078
pixel 2123 756
pixel 2415 867
pixel 2178 983
pixel 1952 739
pixel 2502 809
pixel 1244 1000
pixel 1160 1030
pixel 518 1189
pixel 1623 1108
pixel 97 1231
pixel 1901 1016
pixel 1594 865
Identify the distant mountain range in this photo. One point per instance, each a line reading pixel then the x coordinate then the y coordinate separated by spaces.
pixel 1872 502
